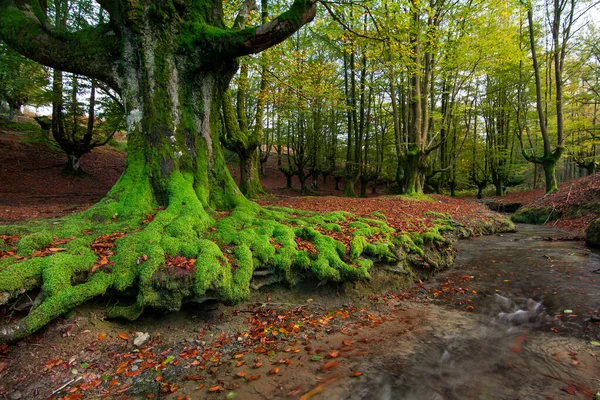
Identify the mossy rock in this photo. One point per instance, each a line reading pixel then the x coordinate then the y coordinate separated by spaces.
pixel 592 234
pixel 535 215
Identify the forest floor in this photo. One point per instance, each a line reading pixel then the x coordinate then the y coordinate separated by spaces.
pixel 309 342
pixel 573 207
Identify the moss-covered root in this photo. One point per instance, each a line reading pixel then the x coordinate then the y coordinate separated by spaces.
pixel 185 252
pixel 54 306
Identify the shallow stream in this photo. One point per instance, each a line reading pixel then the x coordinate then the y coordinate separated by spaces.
pixel 514 319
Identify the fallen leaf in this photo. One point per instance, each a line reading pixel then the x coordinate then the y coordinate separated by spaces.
pixel 274 371
pixel 330 365
pixel 355 374
pixel 217 388
pixel 123 336
pixel 102 336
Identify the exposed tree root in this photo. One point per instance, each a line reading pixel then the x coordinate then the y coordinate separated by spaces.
pixel 219 253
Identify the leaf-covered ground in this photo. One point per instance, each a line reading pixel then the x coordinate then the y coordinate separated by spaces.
pixel 573 207
pixel 207 350
pixel 31 183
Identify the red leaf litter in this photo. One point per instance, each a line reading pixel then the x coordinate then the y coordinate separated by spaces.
pixel 581 194
pixel 402 215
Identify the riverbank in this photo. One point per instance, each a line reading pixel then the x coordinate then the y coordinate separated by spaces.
pixel 573 207
pixel 248 347
pixel 431 338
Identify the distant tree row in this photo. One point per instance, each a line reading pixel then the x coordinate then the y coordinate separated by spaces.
pixel 431 95
pixel 420 95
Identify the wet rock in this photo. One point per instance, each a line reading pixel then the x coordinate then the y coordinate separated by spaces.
pixel 592 234
pixel 145 384
pixel 141 338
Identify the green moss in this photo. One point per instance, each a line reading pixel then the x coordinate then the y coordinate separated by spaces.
pixel 381 251
pixel 358 225
pixel 416 196
pixel 535 215
pixel 332 227
pixel 357 247
pixel 34 242
pixel 379 215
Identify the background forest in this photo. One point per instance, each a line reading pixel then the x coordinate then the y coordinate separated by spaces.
pixel 442 96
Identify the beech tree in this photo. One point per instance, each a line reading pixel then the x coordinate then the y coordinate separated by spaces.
pixel 171 62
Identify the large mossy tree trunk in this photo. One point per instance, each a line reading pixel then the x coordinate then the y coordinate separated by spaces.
pixel 171 62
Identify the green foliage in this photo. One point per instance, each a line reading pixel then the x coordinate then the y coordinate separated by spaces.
pixel 22 81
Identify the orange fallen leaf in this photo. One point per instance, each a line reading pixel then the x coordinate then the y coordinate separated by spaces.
pixel 217 388
pixel 252 378
pixel 333 354
pixel 355 374
pixel 102 336
pixel 274 371
pixel 319 388
pixel 241 374
pixel 200 386
pixel 330 365
pixel 123 336
pixel 518 343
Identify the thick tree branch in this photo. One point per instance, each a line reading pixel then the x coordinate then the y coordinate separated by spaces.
pixel 256 39
pixel 91 51
pixel 112 7
pixel 244 14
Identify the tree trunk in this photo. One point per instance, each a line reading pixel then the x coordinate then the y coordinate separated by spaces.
pixel 73 165
pixel 549 166
pixel 411 177
pixel 498 185
pixel 349 190
pixel 249 179
pixel 363 188
pixel 172 63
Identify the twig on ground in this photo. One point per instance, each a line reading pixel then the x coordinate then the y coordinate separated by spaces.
pixel 67 384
